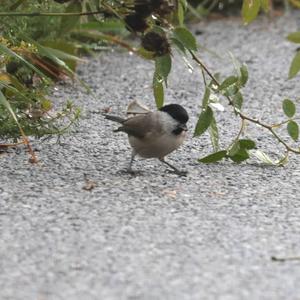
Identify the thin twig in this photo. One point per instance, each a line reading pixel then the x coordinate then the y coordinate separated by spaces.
pixel 11 145
pixel 275 258
pixel 49 14
pixel 239 113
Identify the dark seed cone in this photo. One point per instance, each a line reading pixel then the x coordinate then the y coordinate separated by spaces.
pixel 157 3
pixel 12 67
pixel 143 8
pixel 136 23
pixel 164 8
pixel 155 42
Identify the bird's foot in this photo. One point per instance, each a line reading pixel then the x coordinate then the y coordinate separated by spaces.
pixel 178 172
pixel 132 172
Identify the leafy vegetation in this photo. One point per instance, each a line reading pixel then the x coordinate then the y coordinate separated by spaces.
pixel 41 40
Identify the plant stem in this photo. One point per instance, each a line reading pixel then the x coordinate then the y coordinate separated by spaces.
pixel 239 113
pixel 43 14
pixel 275 258
pixel 11 145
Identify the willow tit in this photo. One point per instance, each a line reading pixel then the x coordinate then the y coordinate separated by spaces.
pixel 155 134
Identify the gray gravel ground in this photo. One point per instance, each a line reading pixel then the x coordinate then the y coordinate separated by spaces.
pixel 157 236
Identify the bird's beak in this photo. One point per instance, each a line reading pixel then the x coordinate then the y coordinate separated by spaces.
pixel 183 126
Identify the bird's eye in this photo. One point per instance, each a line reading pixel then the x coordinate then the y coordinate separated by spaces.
pixel 178 130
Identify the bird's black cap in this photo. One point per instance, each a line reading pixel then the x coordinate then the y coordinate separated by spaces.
pixel 177 112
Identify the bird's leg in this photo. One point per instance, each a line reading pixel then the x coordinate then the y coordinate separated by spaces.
pixel 178 172
pixel 129 168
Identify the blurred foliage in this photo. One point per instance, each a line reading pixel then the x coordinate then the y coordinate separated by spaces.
pixel 41 40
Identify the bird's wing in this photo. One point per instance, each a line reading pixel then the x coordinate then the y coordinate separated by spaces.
pixel 140 126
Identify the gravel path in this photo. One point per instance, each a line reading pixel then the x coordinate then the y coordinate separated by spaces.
pixel 210 235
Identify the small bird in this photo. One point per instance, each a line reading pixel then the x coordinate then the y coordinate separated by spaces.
pixel 154 134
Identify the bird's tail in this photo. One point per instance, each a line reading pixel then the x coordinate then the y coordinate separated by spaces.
pixel 114 118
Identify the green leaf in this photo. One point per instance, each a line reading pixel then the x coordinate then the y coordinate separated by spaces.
pixel 15 90
pixel 214 134
pixel 250 10
pixel 238 151
pixel 107 26
pixel 289 108
pixel 231 90
pixel 69 59
pixel 9 52
pixel 214 157
pixel 184 4
pixel 262 157
pixel 178 44
pixel 7 105
pixel 180 13
pixel 238 100
pixel 204 121
pixel 294 37
pixel 163 66
pixel 295 66
pixel 247 144
pixel 244 74
pixel 231 80
pixel 205 99
pixel 293 130
pixel 265 5
pixel 145 53
pixel 234 148
pixel 46 104
pixel 158 90
pixel 239 156
pixel 186 38
pixel 69 22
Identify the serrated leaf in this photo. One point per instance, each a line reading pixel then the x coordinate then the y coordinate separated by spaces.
pixel 158 91
pixel 294 37
pixel 204 121
pixel 295 66
pixel 293 130
pixel 238 100
pixel 231 80
pixel 214 134
pixel 163 65
pixel 214 157
pixel 244 74
pixel 289 108
pixel 186 38
pixel 250 10
pixel 69 22
pixel 205 99
pixel 262 157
